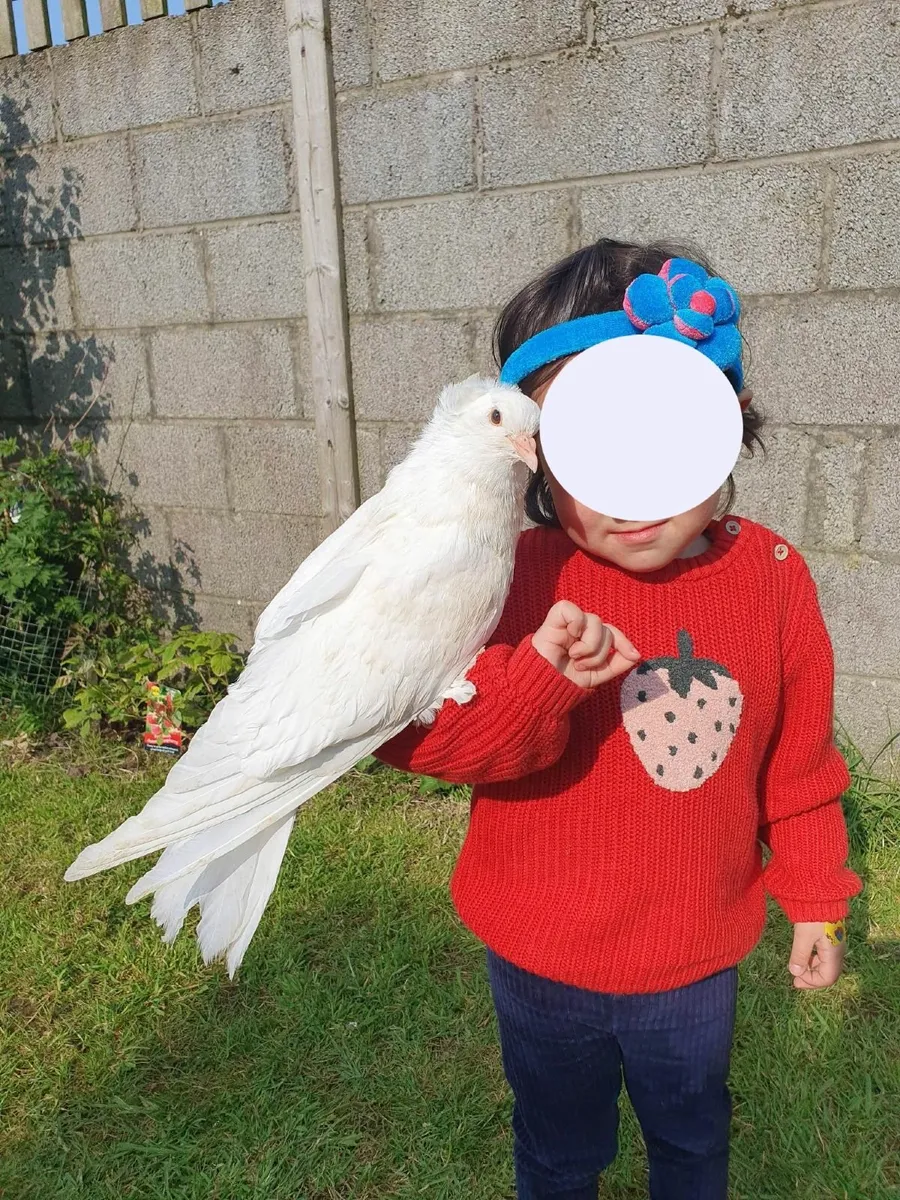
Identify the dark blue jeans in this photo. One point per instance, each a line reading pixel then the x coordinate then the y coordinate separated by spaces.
pixel 565 1051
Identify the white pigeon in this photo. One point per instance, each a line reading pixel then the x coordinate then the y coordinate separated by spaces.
pixel 375 630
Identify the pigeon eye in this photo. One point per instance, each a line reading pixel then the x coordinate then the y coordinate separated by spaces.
pixel 496 417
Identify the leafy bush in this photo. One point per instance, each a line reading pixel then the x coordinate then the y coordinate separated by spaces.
pixel 108 680
pixel 45 518
pixel 64 565
pixel 58 529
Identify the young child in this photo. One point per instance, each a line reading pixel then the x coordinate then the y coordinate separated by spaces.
pixel 612 863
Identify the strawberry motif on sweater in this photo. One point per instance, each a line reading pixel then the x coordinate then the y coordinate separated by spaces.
pixel 681 715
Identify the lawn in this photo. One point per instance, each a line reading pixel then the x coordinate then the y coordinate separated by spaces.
pixel 354 1056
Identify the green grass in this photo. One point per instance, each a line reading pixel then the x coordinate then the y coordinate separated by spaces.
pixel 355 1054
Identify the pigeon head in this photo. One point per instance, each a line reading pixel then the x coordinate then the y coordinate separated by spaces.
pixel 494 422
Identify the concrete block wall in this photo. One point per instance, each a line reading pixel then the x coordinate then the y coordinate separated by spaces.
pixel 478 142
pixel 184 280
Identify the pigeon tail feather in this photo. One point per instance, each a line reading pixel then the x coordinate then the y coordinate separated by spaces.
pixel 232 892
pixel 232 910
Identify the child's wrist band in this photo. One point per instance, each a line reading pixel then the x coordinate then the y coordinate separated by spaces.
pixel 836 932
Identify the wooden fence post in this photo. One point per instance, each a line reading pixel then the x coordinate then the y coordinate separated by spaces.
pixel 112 14
pixel 37 25
pixel 7 30
pixel 320 216
pixel 74 19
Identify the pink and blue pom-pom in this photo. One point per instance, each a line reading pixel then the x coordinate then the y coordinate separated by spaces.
pixel 684 302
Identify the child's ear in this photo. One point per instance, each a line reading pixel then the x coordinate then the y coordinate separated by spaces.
pixel 745 399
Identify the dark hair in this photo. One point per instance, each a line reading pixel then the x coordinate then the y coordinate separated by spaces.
pixel 592 280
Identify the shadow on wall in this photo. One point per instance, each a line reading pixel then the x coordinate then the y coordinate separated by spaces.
pixel 49 378
pixel 52 379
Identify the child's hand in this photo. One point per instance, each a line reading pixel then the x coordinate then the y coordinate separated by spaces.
pixel 816 962
pixel 581 647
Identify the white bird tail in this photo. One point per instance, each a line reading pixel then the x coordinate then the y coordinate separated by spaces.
pixel 232 892
pixel 228 864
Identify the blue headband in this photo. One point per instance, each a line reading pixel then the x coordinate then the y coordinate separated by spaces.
pixel 682 302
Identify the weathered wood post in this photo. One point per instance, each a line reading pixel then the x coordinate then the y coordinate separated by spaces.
pixel 37 24
pixel 8 45
pixel 326 308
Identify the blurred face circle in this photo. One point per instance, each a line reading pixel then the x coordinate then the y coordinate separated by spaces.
pixel 641 427
pixel 638 545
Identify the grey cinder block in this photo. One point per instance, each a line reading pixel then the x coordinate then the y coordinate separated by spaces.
pixel 881 518
pixel 812 359
pixel 151 279
pixel 243 55
pixel 641 105
pixel 244 556
pixel 400 365
pixel 257 270
pixel 140 75
pixel 351 35
pixel 245 371
pixel 356 261
pixel 162 463
pixel 219 615
pixel 865 249
pixel 761 227
pixel 26 86
pixel 835 489
pixel 368 450
pixel 34 288
pixel 210 172
pixel 466 252
pixel 817 77
pixel 771 487
pixel 411 144
pixel 274 469
pixel 94 178
pixel 868 714
pixel 72 369
pixel 415 37
pixel 859 600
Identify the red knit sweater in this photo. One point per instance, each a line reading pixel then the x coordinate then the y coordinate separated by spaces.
pixel 614 838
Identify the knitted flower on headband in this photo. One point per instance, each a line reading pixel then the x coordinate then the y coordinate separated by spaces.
pixel 684 302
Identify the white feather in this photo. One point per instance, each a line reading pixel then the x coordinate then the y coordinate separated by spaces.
pixel 371 631
pixel 231 910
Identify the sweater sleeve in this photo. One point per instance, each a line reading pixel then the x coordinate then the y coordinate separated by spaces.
pixel 804 775
pixel 516 723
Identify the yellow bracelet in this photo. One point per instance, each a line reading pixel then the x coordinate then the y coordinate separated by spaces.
pixel 836 932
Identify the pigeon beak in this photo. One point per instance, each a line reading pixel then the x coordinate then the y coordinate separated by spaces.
pixel 526 448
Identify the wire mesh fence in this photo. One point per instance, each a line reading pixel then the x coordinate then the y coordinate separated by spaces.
pixel 31 650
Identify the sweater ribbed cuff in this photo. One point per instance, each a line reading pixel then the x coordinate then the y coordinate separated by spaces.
pixel 539 683
pixel 798 911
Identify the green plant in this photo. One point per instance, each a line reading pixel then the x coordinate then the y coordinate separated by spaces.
pixel 64 541
pixel 108 677
pixel 428 786
pixel 870 803
pixel 73 618
pixel 57 528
